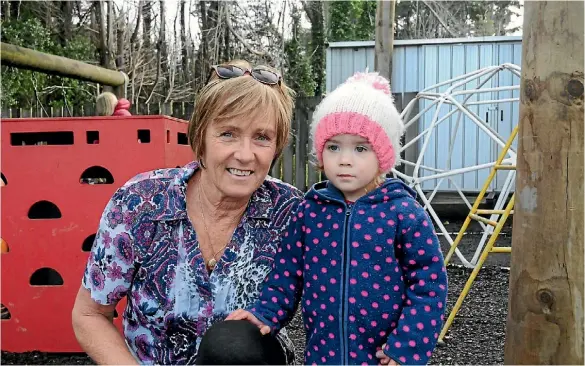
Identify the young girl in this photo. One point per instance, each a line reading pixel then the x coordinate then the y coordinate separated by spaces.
pixel 107 104
pixel 361 254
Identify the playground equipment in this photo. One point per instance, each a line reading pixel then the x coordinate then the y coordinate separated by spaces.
pixel 460 96
pixel 474 214
pixel 57 175
pixel 61 173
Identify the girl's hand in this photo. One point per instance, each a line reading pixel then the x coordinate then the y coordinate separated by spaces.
pixel 246 315
pixel 385 360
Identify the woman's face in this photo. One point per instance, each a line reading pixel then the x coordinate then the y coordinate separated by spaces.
pixel 238 154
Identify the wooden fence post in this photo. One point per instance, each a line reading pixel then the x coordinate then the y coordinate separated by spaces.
pixel 545 310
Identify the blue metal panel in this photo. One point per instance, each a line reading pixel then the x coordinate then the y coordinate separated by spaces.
pixel 347 65
pixel 336 61
pixel 371 58
pixel 485 113
pixel 504 110
pixel 421 69
pixel 456 125
pixel 470 130
pixel 398 65
pixel 410 70
pixel 456 121
pixel 443 130
pixel 431 58
pixel 360 58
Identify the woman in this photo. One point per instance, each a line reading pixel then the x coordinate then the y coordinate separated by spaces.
pixel 187 246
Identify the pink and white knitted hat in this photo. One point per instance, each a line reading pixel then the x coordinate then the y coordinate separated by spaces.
pixel 362 105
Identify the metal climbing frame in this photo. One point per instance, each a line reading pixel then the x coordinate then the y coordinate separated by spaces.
pixel 459 92
pixel 494 222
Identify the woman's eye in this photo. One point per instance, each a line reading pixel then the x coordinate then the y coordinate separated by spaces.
pixel 263 138
pixel 361 149
pixel 226 134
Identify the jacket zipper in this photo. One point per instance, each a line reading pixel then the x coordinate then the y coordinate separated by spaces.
pixel 344 349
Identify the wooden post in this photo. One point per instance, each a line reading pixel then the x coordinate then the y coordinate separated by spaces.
pixel 545 311
pixel 384 37
pixel 28 59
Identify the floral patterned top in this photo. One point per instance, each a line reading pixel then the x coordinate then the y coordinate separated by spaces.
pixel 146 249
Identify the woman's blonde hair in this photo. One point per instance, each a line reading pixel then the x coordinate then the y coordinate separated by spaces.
pixel 224 99
pixel 105 104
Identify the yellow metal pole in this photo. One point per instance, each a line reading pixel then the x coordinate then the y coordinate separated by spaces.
pixel 476 269
pixel 480 196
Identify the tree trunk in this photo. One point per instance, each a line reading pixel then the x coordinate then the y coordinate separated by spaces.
pixel 384 38
pixel 207 53
pixel 134 35
pixel 184 52
pixel 147 23
pixel 110 47
pixel 163 39
pixel 545 310
pixel 66 22
pixel 120 40
pixel 314 11
pixel 14 10
pixel 102 33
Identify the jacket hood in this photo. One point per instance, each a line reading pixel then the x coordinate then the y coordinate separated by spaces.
pixel 391 189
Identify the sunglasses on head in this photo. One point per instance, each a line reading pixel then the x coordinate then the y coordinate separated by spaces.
pixel 262 75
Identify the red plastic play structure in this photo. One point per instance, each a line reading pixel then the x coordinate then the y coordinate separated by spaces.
pixel 60 173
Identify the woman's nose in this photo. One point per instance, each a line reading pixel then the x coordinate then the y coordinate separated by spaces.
pixel 245 153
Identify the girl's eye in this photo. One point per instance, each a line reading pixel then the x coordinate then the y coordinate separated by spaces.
pixel 361 149
pixel 332 147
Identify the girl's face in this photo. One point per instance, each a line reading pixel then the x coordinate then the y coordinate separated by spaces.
pixel 350 164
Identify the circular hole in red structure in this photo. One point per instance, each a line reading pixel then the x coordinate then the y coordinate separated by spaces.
pixel 5 313
pixel 46 277
pixel 4 246
pixel 88 243
pixel 96 175
pixel 44 210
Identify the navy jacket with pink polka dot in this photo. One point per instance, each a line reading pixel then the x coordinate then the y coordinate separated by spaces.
pixel 368 275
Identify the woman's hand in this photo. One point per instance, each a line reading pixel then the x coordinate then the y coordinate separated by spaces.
pixel 246 315
pixel 385 360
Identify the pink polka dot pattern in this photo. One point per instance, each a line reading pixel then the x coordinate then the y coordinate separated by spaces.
pixel 372 279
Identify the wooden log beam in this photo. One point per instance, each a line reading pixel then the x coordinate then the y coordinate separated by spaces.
pixel 385 10
pixel 545 310
pixel 24 58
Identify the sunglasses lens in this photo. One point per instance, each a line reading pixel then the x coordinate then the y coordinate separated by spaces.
pixel 265 76
pixel 229 71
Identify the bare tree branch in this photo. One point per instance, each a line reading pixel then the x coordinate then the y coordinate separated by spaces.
pixel 439 19
pixel 238 36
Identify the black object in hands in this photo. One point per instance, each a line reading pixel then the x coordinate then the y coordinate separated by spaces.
pixel 239 342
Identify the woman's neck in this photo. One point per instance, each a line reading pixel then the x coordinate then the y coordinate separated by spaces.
pixel 208 198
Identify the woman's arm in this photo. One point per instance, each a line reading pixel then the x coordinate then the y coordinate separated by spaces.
pixel 107 279
pixel 95 331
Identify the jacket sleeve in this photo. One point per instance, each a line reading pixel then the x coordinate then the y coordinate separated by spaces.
pixel 419 253
pixel 282 288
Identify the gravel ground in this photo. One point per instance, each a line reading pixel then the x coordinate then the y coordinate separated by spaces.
pixel 476 336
